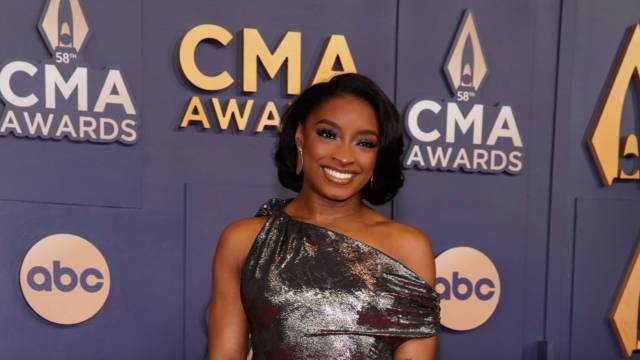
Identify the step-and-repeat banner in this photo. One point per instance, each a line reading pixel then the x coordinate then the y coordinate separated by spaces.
pixel 133 132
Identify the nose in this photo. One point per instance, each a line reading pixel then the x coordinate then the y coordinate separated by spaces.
pixel 343 154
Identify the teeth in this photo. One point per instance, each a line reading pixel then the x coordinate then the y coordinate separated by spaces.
pixel 339 175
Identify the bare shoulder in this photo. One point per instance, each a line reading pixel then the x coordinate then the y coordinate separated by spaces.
pixel 409 239
pixel 237 238
pixel 240 229
pixel 412 248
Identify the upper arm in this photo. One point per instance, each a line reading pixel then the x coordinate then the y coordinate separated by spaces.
pixel 228 328
pixel 416 253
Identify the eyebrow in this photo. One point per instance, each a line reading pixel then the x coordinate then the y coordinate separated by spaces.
pixel 335 125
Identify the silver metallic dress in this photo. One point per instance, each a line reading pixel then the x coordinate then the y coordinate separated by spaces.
pixel 313 293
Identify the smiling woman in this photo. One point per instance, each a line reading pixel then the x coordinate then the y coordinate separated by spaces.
pixel 372 111
pixel 323 275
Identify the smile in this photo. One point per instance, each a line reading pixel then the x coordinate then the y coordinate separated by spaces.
pixel 338 176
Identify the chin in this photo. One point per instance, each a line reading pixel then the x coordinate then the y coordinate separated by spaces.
pixel 335 193
pixel 339 197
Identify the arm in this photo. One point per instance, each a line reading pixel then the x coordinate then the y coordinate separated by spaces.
pixel 228 328
pixel 416 349
pixel 417 255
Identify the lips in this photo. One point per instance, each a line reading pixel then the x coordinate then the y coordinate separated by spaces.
pixel 340 177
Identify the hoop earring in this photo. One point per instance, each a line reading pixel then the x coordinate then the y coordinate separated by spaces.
pixel 299 162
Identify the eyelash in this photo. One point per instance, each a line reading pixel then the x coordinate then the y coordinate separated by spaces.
pixel 329 134
pixel 367 144
pixel 326 133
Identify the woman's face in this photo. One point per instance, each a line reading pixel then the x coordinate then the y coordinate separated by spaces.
pixel 339 141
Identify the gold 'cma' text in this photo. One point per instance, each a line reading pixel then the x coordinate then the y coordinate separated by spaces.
pixel 287 54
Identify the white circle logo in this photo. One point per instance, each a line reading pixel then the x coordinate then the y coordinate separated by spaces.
pixel 469 287
pixel 65 279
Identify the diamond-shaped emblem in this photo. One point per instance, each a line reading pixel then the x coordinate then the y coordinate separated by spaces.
pixel 63 25
pixel 624 314
pixel 605 139
pixel 465 66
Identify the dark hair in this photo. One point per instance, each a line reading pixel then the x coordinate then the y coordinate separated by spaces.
pixel 387 175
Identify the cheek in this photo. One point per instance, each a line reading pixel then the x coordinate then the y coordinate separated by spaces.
pixel 368 160
pixel 317 148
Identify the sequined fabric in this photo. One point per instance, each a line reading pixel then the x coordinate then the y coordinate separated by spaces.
pixel 312 293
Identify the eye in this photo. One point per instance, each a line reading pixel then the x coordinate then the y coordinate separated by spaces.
pixel 326 133
pixel 369 144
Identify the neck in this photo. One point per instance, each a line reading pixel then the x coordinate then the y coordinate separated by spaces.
pixel 315 207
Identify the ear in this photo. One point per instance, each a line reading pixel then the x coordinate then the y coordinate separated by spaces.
pixel 299 136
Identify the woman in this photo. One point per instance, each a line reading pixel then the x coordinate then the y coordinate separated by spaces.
pixel 295 277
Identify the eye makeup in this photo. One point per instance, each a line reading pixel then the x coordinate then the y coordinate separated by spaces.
pixel 367 143
pixel 326 133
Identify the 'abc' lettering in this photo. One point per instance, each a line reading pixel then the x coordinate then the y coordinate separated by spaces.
pixel 60 271
pixel 468 288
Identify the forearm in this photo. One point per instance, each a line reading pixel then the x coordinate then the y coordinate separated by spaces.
pixel 225 352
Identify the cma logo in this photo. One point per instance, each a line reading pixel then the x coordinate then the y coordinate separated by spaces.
pixel 40 278
pixel 465 66
pixel 64 26
pixel 460 134
pixel 469 288
pixel 68 271
pixel 462 288
pixel 625 310
pixel 257 60
pixel 607 143
pixel 63 97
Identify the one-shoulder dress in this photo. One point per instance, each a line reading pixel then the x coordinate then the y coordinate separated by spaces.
pixel 313 293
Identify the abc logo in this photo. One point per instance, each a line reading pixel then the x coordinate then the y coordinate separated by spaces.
pixel 65 279
pixel 469 287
